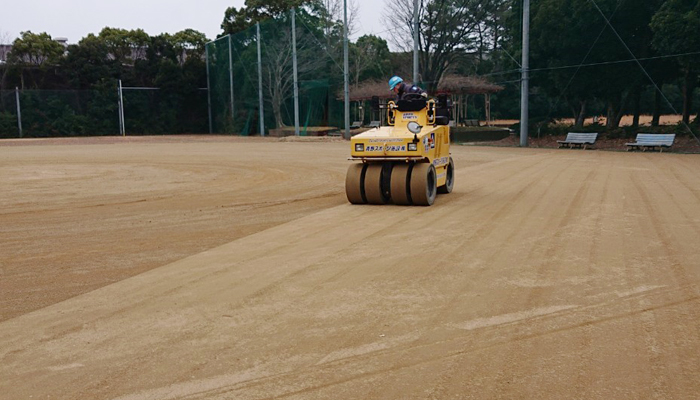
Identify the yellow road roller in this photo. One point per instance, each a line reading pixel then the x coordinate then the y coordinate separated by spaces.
pixel 407 162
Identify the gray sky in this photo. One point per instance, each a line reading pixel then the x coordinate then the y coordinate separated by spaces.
pixel 75 19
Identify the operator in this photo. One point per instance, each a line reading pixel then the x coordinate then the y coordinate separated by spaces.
pixel 401 89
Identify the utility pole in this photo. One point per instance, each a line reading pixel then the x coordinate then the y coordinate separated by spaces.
pixel 122 122
pixel 230 79
pixel 525 88
pixel 415 41
pixel 261 123
pixel 19 112
pixel 294 65
pixel 345 69
pixel 206 52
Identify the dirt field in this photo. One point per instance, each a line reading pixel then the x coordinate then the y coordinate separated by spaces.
pixel 230 268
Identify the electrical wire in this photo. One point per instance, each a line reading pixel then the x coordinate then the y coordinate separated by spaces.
pixel 642 68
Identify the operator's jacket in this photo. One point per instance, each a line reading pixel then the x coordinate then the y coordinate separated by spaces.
pixel 405 89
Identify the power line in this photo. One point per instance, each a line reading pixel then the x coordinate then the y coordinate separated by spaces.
pixel 642 68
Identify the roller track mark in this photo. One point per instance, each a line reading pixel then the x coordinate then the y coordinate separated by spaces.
pixel 411 356
pixel 556 241
pixel 650 322
pixel 480 235
pixel 439 216
pixel 660 232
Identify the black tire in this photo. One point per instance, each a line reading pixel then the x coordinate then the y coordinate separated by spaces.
pixel 450 182
pixel 354 189
pixel 400 185
pixel 374 192
pixel 423 184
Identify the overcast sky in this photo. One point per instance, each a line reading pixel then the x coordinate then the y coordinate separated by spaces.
pixel 75 19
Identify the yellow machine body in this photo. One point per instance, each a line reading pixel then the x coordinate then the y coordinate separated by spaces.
pixel 402 154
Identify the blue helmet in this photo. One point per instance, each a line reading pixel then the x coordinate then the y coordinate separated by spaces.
pixel 394 81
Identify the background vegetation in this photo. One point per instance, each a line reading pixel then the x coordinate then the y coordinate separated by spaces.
pixel 606 58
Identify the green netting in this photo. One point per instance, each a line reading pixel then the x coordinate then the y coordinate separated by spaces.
pixel 164 112
pixel 50 113
pixel 234 84
pixel 8 115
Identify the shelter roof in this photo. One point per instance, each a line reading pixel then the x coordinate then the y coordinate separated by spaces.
pixel 450 84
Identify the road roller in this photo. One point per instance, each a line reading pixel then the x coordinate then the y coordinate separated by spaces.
pixel 407 162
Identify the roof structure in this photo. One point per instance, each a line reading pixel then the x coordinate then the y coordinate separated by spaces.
pixel 450 84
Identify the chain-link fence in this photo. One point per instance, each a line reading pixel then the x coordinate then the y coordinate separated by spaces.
pixel 252 80
pixel 147 111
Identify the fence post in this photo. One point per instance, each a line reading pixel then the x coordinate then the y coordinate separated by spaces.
pixel 294 64
pixel 261 123
pixel 206 52
pixel 230 74
pixel 19 112
pixel 122 128
pixel 346 69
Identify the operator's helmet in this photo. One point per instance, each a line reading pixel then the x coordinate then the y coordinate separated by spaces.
pixel 394 81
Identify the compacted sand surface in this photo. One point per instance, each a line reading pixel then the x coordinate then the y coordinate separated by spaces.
pixel 232 268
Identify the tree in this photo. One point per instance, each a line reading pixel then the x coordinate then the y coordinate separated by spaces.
pixel 447 30
pixel 126 46
pixel 565 37
pixel 676 28
pixel 88 63
pixel 189 44
pixel 369 59
pixel 35 49
pixel 32 54
pixel 278 77
pixel 254 11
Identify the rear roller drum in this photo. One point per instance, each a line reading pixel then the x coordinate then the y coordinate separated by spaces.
pixel 374 192
pixel 423 184
pixel 354 189
pixel 400 185
pixel 450 182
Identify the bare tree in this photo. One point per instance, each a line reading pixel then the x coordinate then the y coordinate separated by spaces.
pixel 333 16
pixel 447 29
pixel 278 77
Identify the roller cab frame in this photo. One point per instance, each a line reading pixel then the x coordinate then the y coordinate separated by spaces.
pixel 407 162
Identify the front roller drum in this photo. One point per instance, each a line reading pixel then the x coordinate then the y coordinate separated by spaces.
pixel 374 191
pixel 423 184
pixel 400 184
pixel 354 188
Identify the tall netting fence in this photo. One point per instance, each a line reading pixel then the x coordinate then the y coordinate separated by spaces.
pixel 252 83
pixel 51 113
pixel 163 111
pixel 147 111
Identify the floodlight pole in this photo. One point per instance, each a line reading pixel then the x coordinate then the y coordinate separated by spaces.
pixel 345 69
pixel 524 91
pixel 230 75
pixel 122 128
pixel 261 123
pixel 294 65
pixel 415 42
pixel 206 50
pixel 19 112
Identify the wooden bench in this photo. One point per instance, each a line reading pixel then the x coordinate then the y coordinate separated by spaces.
pixel 581 140
pixel 356 125
pixel 651 141
pixel 374 124
pixel 471 122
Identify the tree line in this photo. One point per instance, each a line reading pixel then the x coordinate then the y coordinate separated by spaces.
pixel 588 57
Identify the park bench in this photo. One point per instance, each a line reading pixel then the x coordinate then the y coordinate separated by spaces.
pixel 651 141
pixel 356 125
pixel 471 122
pixel 574 139
pixel 374 124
